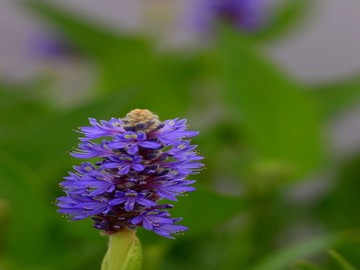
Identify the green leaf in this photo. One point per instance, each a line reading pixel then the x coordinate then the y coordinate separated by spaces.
pixel 124 252
pixel 283 258
pixel 335 97
pixel 342 262
pixel 279 118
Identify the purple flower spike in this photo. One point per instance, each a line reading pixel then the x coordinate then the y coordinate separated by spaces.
pixel 140 161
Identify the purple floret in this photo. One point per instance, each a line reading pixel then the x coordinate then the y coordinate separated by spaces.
pixel 140 161
pixel 131 141
pixel 159 222
pixel 130 198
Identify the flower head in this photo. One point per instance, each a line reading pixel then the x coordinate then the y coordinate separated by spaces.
pixel 140 161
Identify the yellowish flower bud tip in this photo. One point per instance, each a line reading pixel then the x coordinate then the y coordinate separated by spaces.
pixel 142 119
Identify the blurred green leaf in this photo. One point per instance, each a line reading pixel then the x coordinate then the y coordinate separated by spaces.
pixel 203 210
pixel 336 207
pixel 304 265
pixel 290 14
pixel 20 106
pixel 279 118
pixel 285 257
pixel 342 262
pixel 335 97
pixel 28 211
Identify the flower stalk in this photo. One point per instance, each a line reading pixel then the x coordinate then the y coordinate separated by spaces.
pixel 124 252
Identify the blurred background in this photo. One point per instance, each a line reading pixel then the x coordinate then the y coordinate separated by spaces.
pixel 272 85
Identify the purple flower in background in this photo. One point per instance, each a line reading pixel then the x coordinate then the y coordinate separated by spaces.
pixel 242 14
pixel 52 46
pixel 140 161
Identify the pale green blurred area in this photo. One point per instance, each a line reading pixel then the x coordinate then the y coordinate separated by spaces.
pixel 274 194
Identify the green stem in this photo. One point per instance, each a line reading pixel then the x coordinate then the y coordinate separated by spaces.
pixel 124 252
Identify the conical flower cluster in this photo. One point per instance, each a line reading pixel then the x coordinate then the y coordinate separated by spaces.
pixel 136 162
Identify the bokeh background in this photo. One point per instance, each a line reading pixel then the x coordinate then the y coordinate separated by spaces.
pixel 272 85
